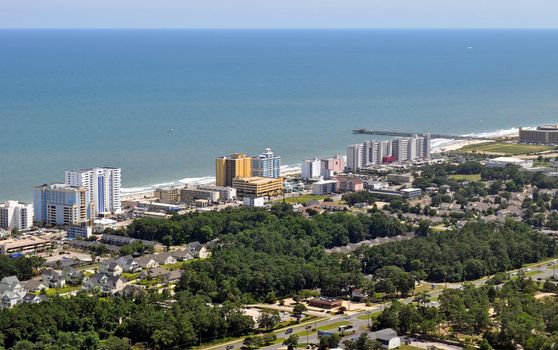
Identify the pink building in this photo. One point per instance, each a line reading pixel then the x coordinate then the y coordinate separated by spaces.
pixel 349 184
pixel 333 165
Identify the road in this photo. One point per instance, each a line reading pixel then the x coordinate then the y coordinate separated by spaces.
pixel 357 319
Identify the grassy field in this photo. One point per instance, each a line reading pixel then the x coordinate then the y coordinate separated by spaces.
pixel 304 198
pixel 333 326
pixel 57 291
pixel 472 177
pixel 503 148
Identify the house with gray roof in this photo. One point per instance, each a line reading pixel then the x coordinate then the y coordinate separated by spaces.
pixel 165 258
pixel 35 286
pixel 53 279
pixel 182 255
pixel 12 291
pixel 387 337
pixel 105 284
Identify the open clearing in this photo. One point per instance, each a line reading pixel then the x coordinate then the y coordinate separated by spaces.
pixel 505 148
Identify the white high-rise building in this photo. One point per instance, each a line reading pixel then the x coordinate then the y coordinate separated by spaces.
pixel 402 149
pixel 103 185
pixel 16 216
pixel 311 168
pixel 355 157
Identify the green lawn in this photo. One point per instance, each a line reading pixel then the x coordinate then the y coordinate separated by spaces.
pixel 58 291
pixel 171 267
pixel 426 287
pixel 333 326
pixel 472 177
pixel 130 276
pixel 305 198
pixel 505 148
pixel 372 316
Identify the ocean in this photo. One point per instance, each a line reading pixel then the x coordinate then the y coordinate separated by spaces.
pixel 162 104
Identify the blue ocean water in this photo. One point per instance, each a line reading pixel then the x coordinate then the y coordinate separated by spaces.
pixel 82 98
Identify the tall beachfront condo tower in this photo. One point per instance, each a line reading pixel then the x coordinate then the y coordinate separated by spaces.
pixel 229 168
pixel 61 204
pixel 401 149
pixel 16 216
pixel 266 164
pixel 104 188
pixel 311 168
pixel 355 157
pixel 332 165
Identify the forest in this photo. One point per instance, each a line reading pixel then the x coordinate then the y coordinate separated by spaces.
pixel 498 315
pixel 264 256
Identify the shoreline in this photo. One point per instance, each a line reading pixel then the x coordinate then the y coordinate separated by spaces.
pixel 437 145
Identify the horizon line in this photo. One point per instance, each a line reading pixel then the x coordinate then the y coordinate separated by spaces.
pixel 278 28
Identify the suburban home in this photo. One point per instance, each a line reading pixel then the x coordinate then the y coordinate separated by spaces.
pixel 198 250
pixel 35 286
pixel 173 276
pixel 72 276
pixel 146 262
pixel 31 298
pixel 10 299
pixel 155 272
pixel 131 291
pixel 165 258
pixel 182 255
pixel 104 283
pixel 12 284
pixel 53 279
pixel 110 267
pixel 128 264
pixel 387 338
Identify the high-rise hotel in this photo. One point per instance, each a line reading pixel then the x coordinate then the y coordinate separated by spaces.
pixel 16 216
pixel 103 185
pixel 231 167
pixel 266 164
pixel 61 204
pixel 401 149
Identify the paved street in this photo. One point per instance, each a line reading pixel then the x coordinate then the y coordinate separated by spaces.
pixel 358 321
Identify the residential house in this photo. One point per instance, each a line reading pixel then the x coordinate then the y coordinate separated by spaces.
pixel 53 279
pixel 131 291
pixel 152 273
pixel 128 264
pixel 146 262
pixel 165 258
pixel 198 250
pixel 12 291
pixel 10 299
pixel 72 276
pixel 105 284
pixel 31 298
pixel 173 276
pixel 35 286
pixel 182 255
pixel 387 338
pixel 110 267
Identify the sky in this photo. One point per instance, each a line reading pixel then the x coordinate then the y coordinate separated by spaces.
pixel 278 13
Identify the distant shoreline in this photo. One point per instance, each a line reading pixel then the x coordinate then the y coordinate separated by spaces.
pixel 440 146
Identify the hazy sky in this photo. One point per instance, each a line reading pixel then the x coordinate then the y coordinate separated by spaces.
pixel 279 13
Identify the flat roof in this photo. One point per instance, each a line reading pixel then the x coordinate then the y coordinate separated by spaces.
pixel 258 179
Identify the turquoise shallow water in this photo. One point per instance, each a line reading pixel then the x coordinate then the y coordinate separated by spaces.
pixel 85 98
